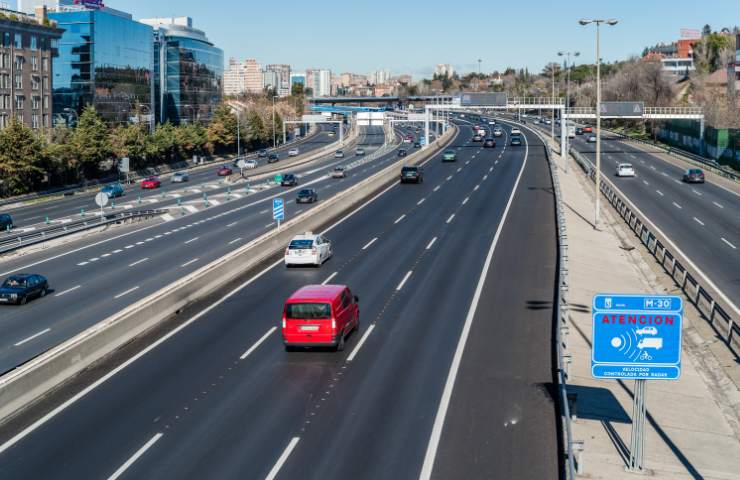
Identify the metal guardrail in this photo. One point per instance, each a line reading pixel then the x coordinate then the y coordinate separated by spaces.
pixel 716 311
pixel 10 242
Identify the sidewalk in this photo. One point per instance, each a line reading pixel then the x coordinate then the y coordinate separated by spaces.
pixel 692 425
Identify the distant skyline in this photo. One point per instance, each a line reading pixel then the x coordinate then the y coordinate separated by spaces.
pixel 413 36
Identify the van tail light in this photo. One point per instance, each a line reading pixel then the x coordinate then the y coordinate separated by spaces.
pixel 286 251
pixel 333 324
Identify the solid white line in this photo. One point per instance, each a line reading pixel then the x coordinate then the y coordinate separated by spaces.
pixel 126 292
pixel 328 279
pixel 82 264
pixel 269 225
pixel 232 224
pixel 28 339
pixel 235 240
pixel 451 217
pixel 283 458
pixel 399 219
pixel 403 282
pixel 466 200
pixel 370 243
pixel 719 205
pixel 659 192
pixel 353 354
pixel 677 206
pixel 67 291
pixel 431 243
pixel 189 263
pixel 698 221
pixel 135 456
pixel 444 403
pixel 420 201
pixel 191 240
pixel 257 343
pixel 138 262
pixel 728 243
pixel 436 188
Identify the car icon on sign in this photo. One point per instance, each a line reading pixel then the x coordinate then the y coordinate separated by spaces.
pixel 647 331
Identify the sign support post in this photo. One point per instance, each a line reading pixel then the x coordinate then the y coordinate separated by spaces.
pixel 637 441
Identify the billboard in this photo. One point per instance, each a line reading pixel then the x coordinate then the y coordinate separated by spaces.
pixel 493 99
pixel 622 109
pixel 92 4
pixel 313 118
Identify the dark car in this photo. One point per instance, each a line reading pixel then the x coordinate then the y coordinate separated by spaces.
pixel 412 174
pixel 402 153
pixel 18 289
pixel 489 143
pixel 272 158
pixel 113 190
pixel 579 131
pixel 417 145
pixel 289 180
pixel 307 195
pixel 693 175
pixel 516 141
pixel 6 221
pixel 262 153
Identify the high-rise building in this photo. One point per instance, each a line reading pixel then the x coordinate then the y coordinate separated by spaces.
pixel 235 78
pixel 283 78
pixel 379 77
pixel 27 50
pixel 29 6
pixel 253 73
pixel 298 77
pixel 105 60
pixel 189 71
pixel 270 80
pixel 319 81
pixel 443 69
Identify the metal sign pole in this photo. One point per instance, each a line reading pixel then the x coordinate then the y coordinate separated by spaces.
pixel 637 442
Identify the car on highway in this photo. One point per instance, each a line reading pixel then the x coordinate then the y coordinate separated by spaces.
pixel 516 141
pixel 224 171
pixel 113 190
pixel 359 151
pixel 625 170
pixel 6 222
pixel 693 175
pixel 489 142
pixel 449 156
pixel 273 158
pixel 649 330
pixel 477 138
pixel 401 152
pixel 308 249
pixel 588 129
pixel 579 131
pixel 412 174
pixel 262 154
pixel 320 316
pixel 492 122
pixel 408 139
pixel 498 131
pixel 180 177
pixel 151 183
pixel 289 180
pixel 591 139
pixel 516 131
pixel 339 154
pixel 339 172
pixel 536 121
pixel 331 133
pixel 293 152
pixel 548 121
pixel 251 164
pixel 417 144
pixel 20 288
pixel 307 195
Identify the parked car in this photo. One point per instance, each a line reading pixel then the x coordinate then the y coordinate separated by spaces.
pixel 293 152
pixel 180 177
pixel 273 158
pixel 339 154
pixel 289 180
pixel 113 190
pixel 6 221
pixel 489 142
pixel 359 151
pixel 308 249
pixel 262 154
pixel 150 183
pixel 307 195
pixel 320 315
pixel 224 171
pixel 339 172
pixel 516 141
pixel 693 175
pixel 20 288
pixel 625 170
pixel 449 156
pixel 412 174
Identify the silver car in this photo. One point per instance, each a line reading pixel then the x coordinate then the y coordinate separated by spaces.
pixel 180 177
pixel 339 154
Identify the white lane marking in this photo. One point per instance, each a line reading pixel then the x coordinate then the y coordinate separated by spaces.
pixel 298 212
pixel 269 225
pixel 431 243
pixel 126 292
pixel 645 182
pixel 257 343
pixel 728 243
pixel 105 255
pixel 680 183
pixel 157 236
pixel 405 279
pixel 367 333
pixel 677 206
pixel 149 239
pixel 659 192
pixel 652 167
pixel 718 204
pixel 35 335
pixel 444 403
pixel 189 263
pixel 436 188
pixel 135 456
pixel 466 200
pixel 283 458
pixel 485 177
pixel 664 174
pixel 117 250
pixel 82 264
pixel 140 243
pixel 262 212
pixel 138 262
pixel 698 221
pixel 370 243
pixel 94 259
pixel 476 187
pixel 328 279
pixel 450 219
pixel 459 170
pixel 695 191
pixel 420 201
pixel 235 240
pixel 232 224
pixel 399 219
pixel 67 291
pixel 128 246
pixel 191 240
pixel 449 178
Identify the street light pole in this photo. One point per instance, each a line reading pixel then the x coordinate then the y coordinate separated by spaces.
pixel 563 121
pixel 274 142
pixel 598 23
pixel 552 117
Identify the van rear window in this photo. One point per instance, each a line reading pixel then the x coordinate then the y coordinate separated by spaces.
pixel 308 310
pixel 300 245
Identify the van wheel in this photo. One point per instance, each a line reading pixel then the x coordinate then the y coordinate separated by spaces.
pixel 340 344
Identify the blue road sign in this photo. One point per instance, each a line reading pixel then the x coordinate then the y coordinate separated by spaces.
pixel 278 209
pixel 637 337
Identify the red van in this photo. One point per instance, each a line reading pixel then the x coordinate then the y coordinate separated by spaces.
pixel 320 316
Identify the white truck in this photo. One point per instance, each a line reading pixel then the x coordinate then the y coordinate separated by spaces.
pixel 571 131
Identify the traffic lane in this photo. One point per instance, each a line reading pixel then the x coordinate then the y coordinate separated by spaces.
pixel 509 361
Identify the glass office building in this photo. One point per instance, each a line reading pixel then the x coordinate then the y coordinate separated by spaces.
pixel 106 59
pixel 189 72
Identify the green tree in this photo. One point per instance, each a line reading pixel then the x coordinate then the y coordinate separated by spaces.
pixel 21 159
pixel 297 89
pixel 131 141
pixel 163 143
pixel 90 141
pixel 256 131
pixel 190 139
pixel 712 51
pixel 63 161
pixel 221 132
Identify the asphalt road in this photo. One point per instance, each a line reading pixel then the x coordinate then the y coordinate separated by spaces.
pixel 220 398
pixel 98 275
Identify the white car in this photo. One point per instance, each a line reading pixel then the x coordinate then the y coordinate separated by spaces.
pixel 293 152
pixel 516 131
pixel 492 122
pixel 591 139
pixel 625 170
pixel 339 172
pixel 308 249
pixel 647 331
pixel 548 121
pixel 250 164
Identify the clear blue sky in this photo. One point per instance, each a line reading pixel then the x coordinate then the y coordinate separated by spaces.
pixel 411 36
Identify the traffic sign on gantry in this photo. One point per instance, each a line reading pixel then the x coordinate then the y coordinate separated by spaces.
pixel 637 337
pixel 483 99
pixel 623 109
